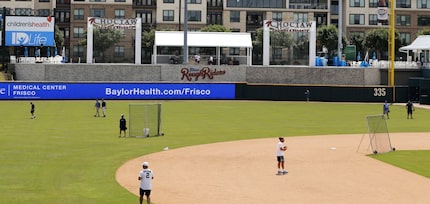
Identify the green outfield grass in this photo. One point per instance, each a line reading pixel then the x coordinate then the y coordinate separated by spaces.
pixel 417 161
pixel 66 155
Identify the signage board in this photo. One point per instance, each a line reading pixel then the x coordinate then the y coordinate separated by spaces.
pixel 141 91
pixel 29 31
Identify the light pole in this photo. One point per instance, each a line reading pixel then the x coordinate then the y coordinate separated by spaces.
pixel 185 58
pixel 339 30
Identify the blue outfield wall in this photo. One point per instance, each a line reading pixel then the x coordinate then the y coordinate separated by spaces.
pixel 196 91
pixel 114 91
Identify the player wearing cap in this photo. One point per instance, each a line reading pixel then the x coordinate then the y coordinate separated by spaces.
pixel 145 178
pixel 280 148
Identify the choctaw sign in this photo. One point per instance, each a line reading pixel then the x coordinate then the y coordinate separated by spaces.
pixel 106 23
pixel 282 26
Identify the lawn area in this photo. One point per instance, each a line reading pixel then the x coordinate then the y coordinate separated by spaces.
pixel 66 155
pixel 417 161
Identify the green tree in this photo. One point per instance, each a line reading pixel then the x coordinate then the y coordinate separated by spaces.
pixel 103 40
pixel 327 36
pixel 148 38
pixel 215 28
pixel 277 40
pixel 59 37
pixel 425 31
pixel 357 40
pixel 377 40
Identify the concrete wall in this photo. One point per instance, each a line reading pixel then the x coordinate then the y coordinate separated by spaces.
pixel 309 75
pixel 197 74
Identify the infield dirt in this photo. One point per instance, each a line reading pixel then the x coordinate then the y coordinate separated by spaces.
pixel 322 169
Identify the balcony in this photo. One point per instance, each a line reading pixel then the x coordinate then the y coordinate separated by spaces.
pixel 147 4
pixel 320 6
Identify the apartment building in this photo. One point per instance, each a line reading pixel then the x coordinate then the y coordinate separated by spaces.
pixel 411 17
pixel 237 15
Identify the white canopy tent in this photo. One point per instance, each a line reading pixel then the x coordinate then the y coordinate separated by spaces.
pixel 204 39
pixel 420 44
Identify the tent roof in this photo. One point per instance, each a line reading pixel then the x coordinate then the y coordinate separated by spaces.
pixel 203 39
pixel 422 42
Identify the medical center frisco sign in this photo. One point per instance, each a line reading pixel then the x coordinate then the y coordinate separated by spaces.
pixel 29 31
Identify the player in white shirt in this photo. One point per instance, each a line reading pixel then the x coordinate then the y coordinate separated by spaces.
pixel 280 149
pixel 145 178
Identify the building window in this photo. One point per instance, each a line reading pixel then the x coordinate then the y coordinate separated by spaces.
pixel 214 18
pixel 119 1
pixel 44 0
pixel 254 18
pixel 356 19
pixel 403 4
pixel 321 18
pixel 78 50
pixel 169 1
pixel 97 0
pixel 23 11
pixel 300 17
pixel 423 4
pixel 78 14
pixel 118 51
pixel 62 2
pixel 258 3
pixel 62 16
pixel 78 32
pixel 277 16
pixel 214 3
pixel 405 38
pixel 373 19
pixel 194 1
pixel 356 3
pixel 168 15
pixel 334 8
pixel 97 13
pixel 119 13
pixel 423 20
pixel 144 2
pixel 277 53
pixel 195 16
pixel 403 20
pixel 373 3
pixel 66 33
pixel 145 15
pixel 43 12
pixel 234 51
pixel 234 16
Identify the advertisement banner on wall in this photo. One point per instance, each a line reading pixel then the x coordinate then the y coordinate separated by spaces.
pixel 29 31
pixel 71 91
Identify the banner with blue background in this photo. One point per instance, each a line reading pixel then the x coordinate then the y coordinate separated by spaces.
pixel 140 91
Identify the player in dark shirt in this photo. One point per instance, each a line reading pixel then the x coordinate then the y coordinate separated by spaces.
pixel 122 126
pixel 32 110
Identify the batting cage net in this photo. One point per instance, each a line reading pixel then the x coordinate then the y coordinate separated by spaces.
pixel 144 120
pixel 378 134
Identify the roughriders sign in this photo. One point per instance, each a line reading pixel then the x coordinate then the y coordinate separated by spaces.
pixel 106 23
pixel 203 73
pixel 289 26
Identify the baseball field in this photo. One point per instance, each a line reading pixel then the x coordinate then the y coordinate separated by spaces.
pixel 219 152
